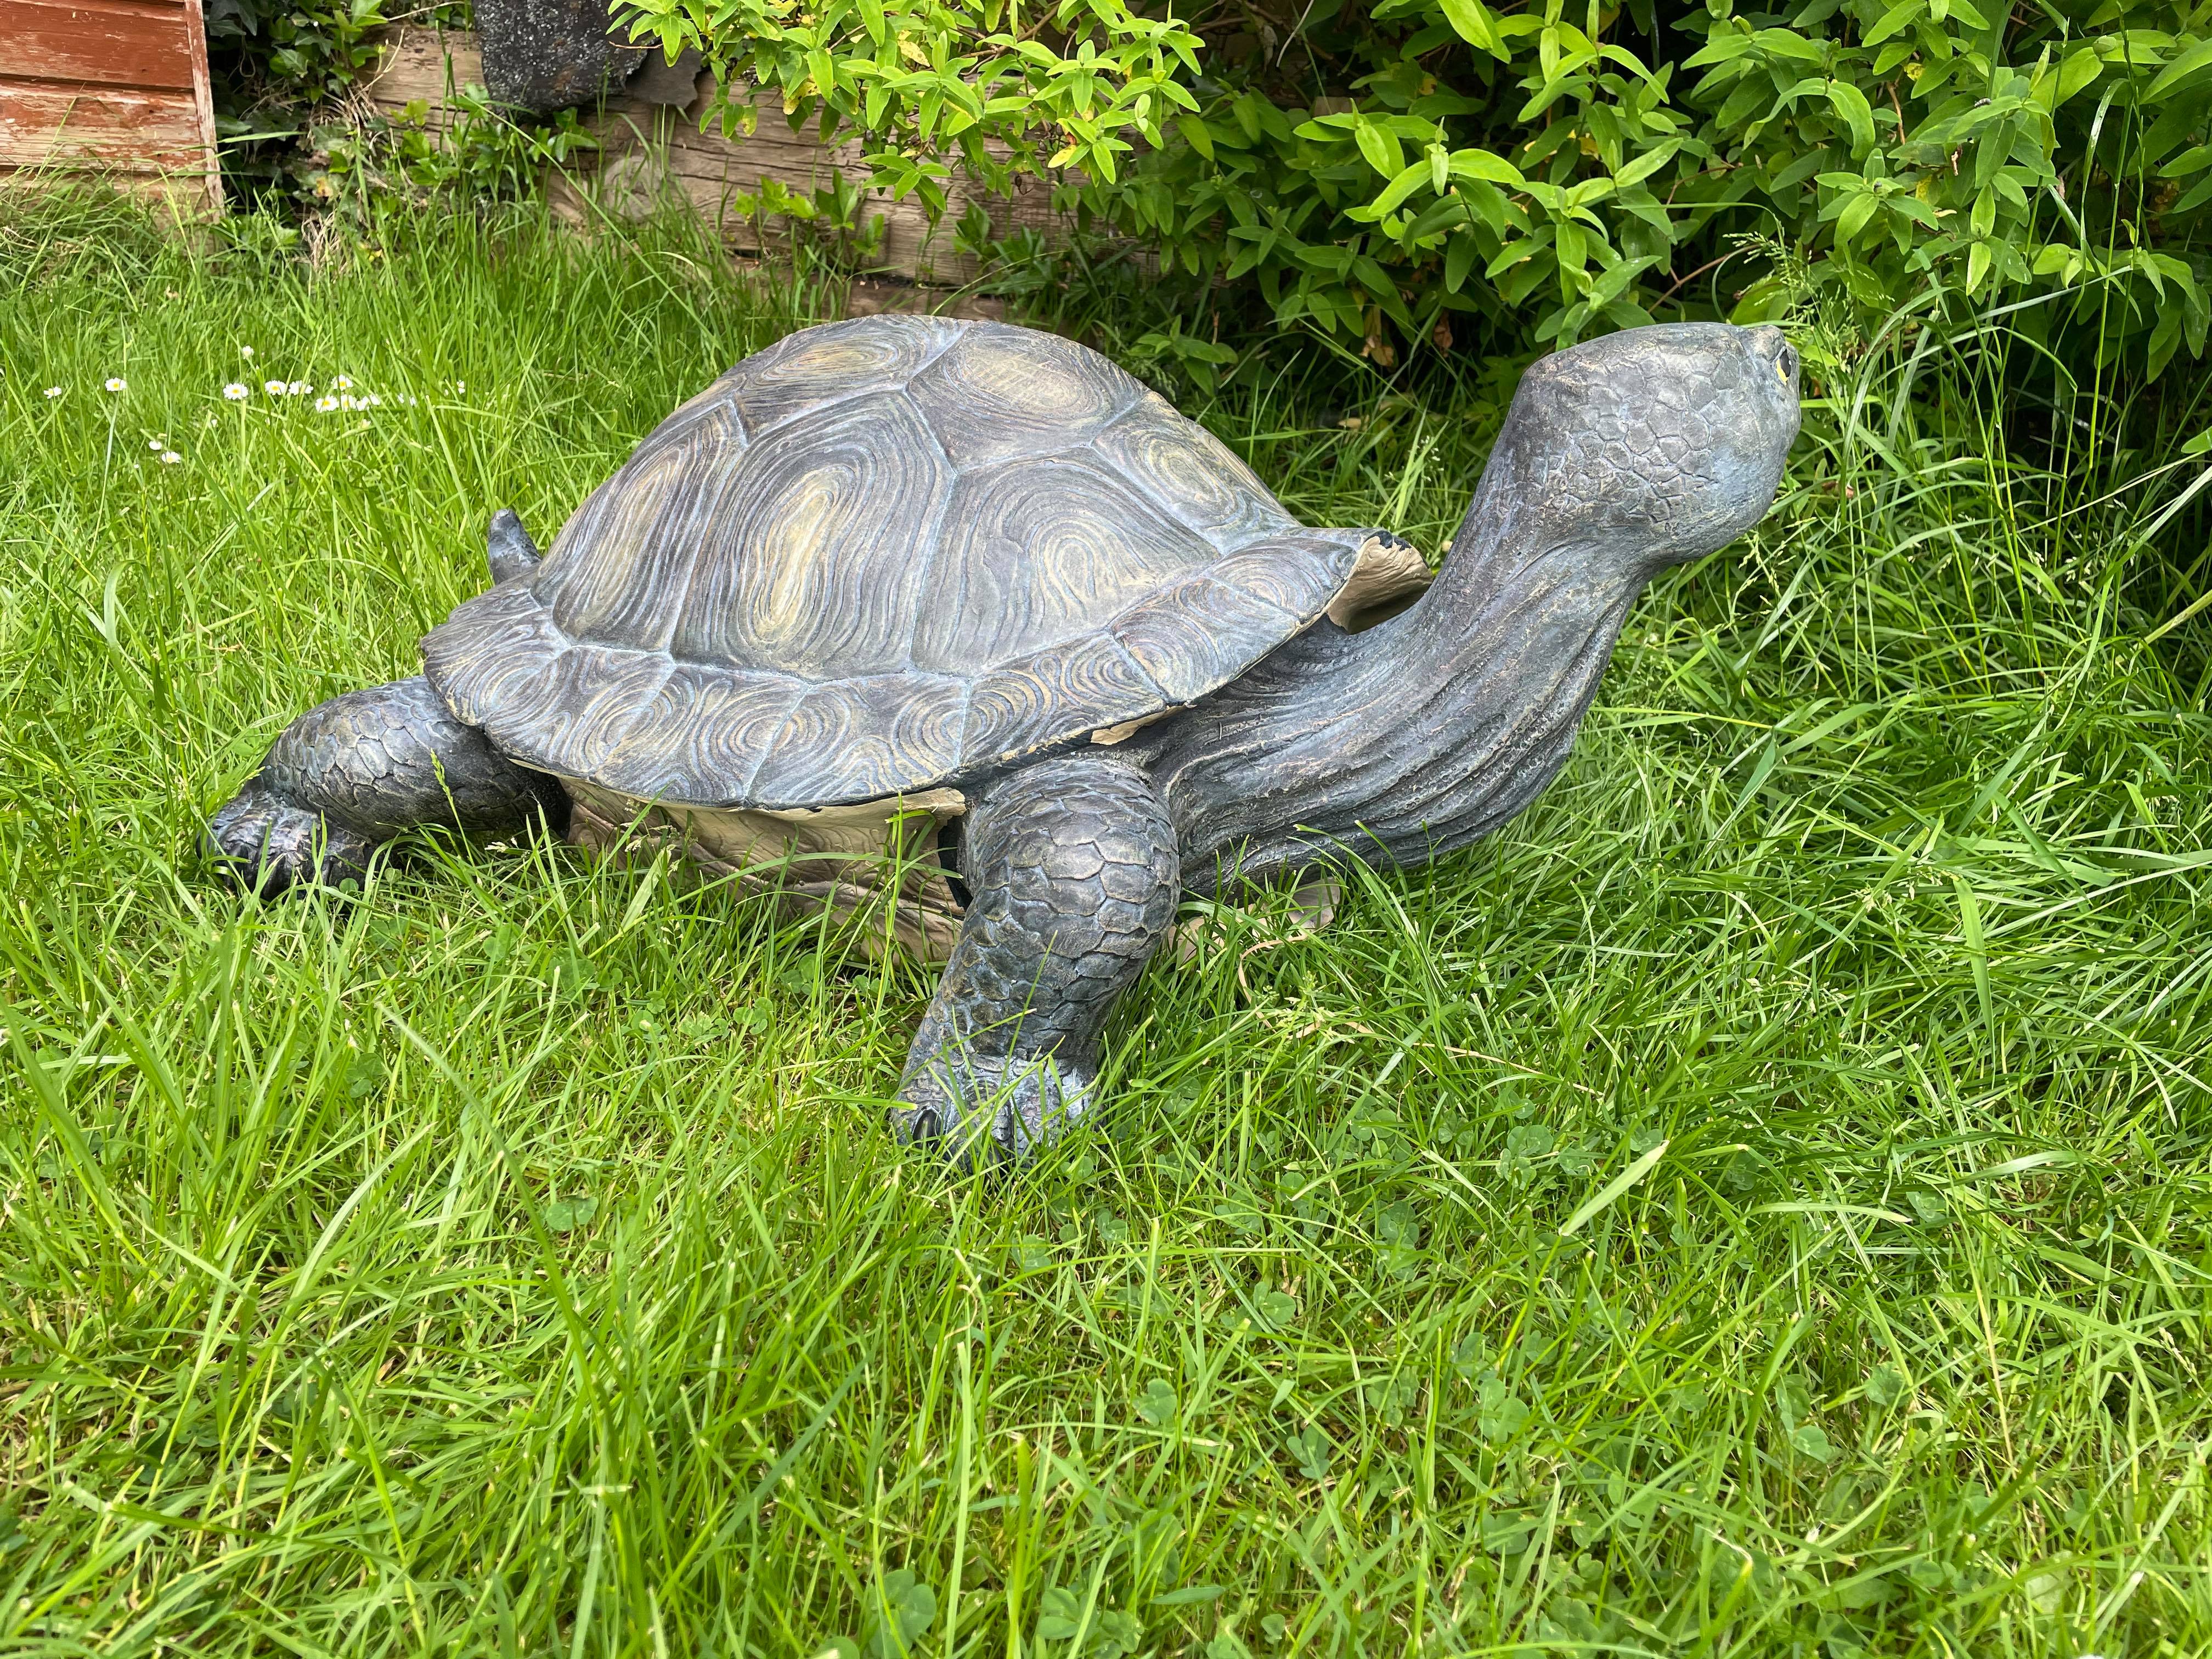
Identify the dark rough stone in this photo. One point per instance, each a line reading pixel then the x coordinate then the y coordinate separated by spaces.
pixel 546 55
pixel 659 82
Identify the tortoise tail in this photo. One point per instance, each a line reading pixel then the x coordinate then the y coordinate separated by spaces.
pixel 512 551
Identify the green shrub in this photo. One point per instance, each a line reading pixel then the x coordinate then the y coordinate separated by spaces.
pixel 282 69
pixel 1380 171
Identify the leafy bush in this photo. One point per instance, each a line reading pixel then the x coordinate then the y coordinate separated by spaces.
pixel 281 70
pixel 1385 171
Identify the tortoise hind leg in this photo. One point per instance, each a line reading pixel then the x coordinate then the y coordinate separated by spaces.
pixel 1075 875
pixel 350 773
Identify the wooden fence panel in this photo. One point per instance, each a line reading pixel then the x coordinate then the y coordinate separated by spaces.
pixel 115 87
pixel 649 151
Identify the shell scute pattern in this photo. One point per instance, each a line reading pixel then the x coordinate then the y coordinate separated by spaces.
pixel 492 649
pixel 1190 475
pixel 875 557
pixel 1191 637
pixel 878 730
pixel 1013 709
pixel 704 728
pixel 1034 553
pixel 1285 571
pixel 1003 392
pixel 812 565
pixel 837 361
pixel 612 580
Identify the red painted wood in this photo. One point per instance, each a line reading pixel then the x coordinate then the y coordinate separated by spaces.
pixel 135 130
pixel 120 85
pixel 99 45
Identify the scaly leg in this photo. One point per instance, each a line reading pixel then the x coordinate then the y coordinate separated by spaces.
pixel 352 773
pixel 1073 867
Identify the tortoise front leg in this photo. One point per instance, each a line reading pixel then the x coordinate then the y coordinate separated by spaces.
pixel 1073 867
pixel 352 773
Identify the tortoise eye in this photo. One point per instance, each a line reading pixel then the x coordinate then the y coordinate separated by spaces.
pixel 1785 364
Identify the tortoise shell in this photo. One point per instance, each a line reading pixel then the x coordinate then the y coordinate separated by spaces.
pixel 879 556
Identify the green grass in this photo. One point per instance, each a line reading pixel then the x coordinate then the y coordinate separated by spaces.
pixel 511 1261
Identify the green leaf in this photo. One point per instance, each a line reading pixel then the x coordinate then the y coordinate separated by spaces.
pixel 904 1606
pixel 1310 1446
pixel 1858 115
pixel 1195 135
pixel 2082 66
pixel 1501 1414
pixel 1059 1615
pixel 1411 179
pixel 1460 255
pixel 1902 16
pixel 1158 1405
pixel 1853 219
pixel 1380 147
pixel 2199 56
pixel 1808 1438
pixel 1647 164
pixel 1607 1195
pixel 1471 21
pixel 1189 1596
pixel 565 1215
pixel 1482 165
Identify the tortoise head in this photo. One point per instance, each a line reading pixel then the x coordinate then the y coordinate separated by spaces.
pixel 1656 445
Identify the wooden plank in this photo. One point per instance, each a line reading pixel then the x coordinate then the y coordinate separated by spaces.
pixel 203 102
pixel 139 132
pixel 415 67
pixel 97 43
pixel 653 153
pixel 118 87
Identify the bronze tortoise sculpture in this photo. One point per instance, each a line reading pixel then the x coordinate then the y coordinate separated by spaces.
pixel 962 616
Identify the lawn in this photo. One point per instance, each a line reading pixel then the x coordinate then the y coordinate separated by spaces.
pixel 1756 1203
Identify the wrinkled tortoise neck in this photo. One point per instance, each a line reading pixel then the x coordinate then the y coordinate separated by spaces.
pixel 1427 732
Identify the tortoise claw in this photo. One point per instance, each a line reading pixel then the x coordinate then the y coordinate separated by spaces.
pixel 982 1111
pixel 266 844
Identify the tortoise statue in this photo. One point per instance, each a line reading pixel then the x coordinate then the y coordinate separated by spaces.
pixel 960 617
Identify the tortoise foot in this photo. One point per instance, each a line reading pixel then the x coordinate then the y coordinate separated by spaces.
pixel 266 843
pixel 987 1110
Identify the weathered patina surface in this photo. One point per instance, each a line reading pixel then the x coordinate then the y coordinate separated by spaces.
pixel 959 623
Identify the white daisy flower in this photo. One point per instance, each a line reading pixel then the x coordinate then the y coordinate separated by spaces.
pixel 237 391
pixel 325 405
pixel 116 383
pixel 157 443
pixel 299 388
pixel 343 382
pixel 245 351
pixel 274 388
pixel 372 401
pixel 170 458
pixel 53 392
